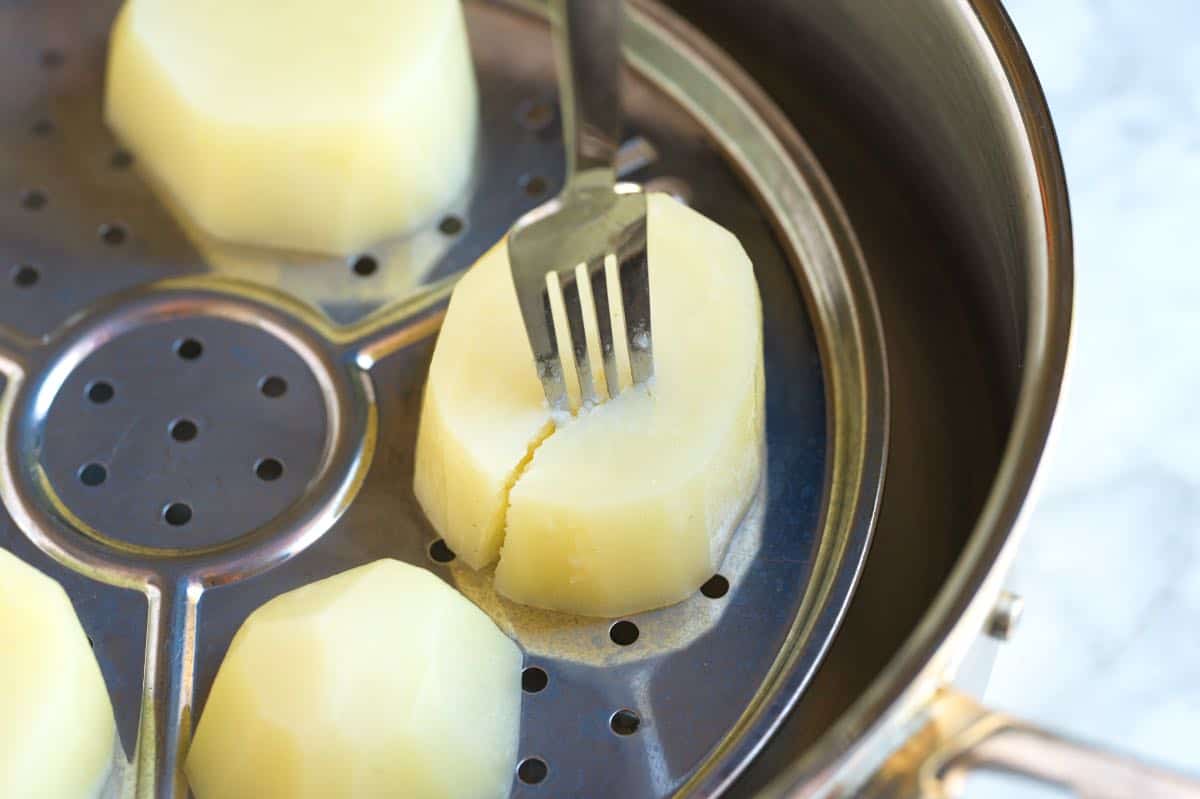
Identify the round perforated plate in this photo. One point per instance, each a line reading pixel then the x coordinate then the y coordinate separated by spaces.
pixel 109 288
pixel 184 433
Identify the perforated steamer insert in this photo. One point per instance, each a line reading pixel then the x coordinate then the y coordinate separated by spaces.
pixel 191 428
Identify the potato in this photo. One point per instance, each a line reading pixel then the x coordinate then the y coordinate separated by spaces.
pixel 625 507
pixel 380 681
pixel 309 125
pixel 56 722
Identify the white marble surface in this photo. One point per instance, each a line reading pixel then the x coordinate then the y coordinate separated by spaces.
pixel 1110 568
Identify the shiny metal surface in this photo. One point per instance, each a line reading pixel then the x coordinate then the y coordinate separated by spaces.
pixel 929 121
pixel 1006 616
pixel 122 284
pixel 579 261
pixel 960 736
pixel 587 52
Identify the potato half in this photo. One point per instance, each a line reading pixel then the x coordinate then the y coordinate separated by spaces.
pixel 628 506
pixel 307 125
pixel 56 721
pixel 380 681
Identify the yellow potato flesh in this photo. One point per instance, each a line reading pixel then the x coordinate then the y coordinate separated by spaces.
pixel 56 722
pixel 625 507
pixel 380 681
pixel 306 125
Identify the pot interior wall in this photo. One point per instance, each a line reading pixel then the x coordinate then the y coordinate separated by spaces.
pixel 889 104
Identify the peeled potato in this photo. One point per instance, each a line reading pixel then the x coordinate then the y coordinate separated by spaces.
pixel 56 722
pixel 307 125
pixel 380 681
pixel 628 506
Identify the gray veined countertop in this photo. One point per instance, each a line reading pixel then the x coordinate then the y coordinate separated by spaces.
pixel 1109 648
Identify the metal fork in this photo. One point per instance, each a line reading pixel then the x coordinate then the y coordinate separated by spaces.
pixel 579 260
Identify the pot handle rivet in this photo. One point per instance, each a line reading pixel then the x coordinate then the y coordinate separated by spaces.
pixel 1005 616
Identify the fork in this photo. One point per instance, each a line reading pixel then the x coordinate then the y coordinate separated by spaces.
pixel 579 260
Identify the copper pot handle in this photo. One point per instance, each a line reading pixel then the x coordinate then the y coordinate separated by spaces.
pixel 961 736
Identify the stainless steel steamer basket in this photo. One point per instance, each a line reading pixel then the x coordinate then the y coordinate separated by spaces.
pixel 192 427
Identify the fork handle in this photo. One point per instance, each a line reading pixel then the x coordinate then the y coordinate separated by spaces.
pixel 587 47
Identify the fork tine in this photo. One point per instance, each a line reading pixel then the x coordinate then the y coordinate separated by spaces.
pixel 585 275
pixel 533 297
pixel 635 296
pixel 575 318
pixel 616 363
pixel 602 293
pixel 561 326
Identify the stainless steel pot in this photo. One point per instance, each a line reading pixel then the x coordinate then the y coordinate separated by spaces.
pixel 925 221
pixel 930 122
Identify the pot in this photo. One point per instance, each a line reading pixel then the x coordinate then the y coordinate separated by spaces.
pixel 898 187
pixel 930 122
